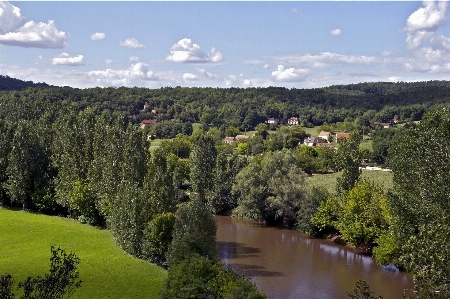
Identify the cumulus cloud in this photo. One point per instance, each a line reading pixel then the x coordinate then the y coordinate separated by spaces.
pixel 98 36
pixel 10 18
pixel 428 60
pixel 336 32
pixel 189 77
pixel 324 59
pixel 283 74
pixel 134 59
pixel 132 43
pixel 186 51
pixel 15 32
pixel 422 23
pixel 65 59
pixel 109 62
pixel 135 74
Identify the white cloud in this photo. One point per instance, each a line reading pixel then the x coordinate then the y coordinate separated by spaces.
pixel 231 80
pixel 135 73
pixel 289 75
pixel 207 74
pixel 132 43
pixel 336 32
pixel 15 32
pixel 266 66
pixel 134 59
pixel 422 23
pixel 247 82
pixel 10 17
pixel 324 59
pixel 36 35
pixel 186 51
pixel 109 62
pixel 428 60
pixel 189 77
pixel 65 59
pixel 98 36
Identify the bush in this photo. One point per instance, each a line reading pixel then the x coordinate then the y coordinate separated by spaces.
pixel 158 237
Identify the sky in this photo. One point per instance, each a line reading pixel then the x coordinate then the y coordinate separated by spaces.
pixel 306 44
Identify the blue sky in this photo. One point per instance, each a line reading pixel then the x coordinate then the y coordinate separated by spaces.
pixel 303 44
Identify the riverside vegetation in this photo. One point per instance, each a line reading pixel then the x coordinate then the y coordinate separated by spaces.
pixel 79 153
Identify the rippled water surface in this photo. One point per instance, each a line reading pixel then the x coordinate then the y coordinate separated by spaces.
pixel 287 264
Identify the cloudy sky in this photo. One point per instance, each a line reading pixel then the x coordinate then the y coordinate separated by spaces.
pixel 224 44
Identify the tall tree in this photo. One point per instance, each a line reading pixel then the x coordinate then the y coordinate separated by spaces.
pixel 419 160
pixel 202 162
pixel 349 160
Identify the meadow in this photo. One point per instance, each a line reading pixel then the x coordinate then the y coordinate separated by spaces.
pixel 328 181
pixel 105 270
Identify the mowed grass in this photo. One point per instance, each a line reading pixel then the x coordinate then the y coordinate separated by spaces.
pixel 106 271
pixel 328 181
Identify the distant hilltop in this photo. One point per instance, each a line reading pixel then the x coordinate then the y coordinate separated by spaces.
pixel 8 83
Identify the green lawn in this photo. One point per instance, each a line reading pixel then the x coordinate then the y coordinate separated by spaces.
pixel 106 271
pixel 382 178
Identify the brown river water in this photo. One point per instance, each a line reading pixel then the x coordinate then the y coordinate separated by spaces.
pixel 287 264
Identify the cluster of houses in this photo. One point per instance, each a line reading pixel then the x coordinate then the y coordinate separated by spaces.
pixel 325 139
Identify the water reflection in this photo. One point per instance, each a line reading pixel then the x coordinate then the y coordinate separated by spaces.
pixel 288 264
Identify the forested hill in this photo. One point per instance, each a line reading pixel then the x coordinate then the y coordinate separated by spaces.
pixel 246 107
pixel 8 83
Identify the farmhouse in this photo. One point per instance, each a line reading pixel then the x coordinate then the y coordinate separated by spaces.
pixel 293 121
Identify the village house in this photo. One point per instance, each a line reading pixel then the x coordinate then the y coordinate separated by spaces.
pixel 324 135
pixel 146 123
pixel 293 121
pixel 229 140
pixel 240 137
pixel 384 125
pixel 311 141
pixel 271 121
pixel 340 136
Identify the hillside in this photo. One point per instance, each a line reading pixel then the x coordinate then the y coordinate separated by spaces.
pixel 8 83
pixel 106 271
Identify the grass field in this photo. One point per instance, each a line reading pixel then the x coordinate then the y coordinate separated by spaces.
pixel 382 178
pixel 106 271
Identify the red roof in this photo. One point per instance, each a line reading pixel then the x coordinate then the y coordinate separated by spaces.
pixel 148 122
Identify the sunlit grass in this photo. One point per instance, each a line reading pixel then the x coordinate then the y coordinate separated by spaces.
pixel 328 181
pixel 106 271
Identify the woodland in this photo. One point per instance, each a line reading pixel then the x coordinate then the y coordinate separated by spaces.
pixel 81 153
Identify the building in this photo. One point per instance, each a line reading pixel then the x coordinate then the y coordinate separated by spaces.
pixel 293 121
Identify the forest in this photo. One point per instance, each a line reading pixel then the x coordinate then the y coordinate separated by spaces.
pixel 82 154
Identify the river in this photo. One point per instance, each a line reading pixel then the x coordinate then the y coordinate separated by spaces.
pixel 287 264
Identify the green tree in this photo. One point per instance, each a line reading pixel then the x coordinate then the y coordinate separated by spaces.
pixel 194 232
pixel 271 189
pixel 158 237
pixel 362 291
pixel 202 163
pixel 348 158
pixel 419 160
pixel 129 214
